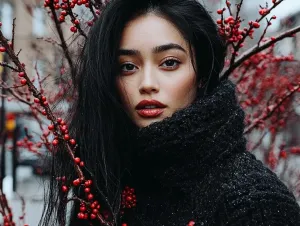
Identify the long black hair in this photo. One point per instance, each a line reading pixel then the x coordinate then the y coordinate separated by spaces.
pixel 97 118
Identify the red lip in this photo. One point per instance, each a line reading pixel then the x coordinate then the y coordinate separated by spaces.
pixel 150 112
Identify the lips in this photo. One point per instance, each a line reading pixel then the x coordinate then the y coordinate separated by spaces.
pixel 150 108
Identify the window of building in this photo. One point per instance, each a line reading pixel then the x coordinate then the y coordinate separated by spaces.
pixel 6 17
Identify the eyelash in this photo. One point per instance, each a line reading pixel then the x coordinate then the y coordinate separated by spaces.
pixel 167 59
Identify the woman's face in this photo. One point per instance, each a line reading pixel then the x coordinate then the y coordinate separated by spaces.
pixel 157 77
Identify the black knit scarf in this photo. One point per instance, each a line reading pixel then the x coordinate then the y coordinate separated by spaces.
pixel 181 148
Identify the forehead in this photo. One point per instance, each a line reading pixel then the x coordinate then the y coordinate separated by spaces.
pixel 150 30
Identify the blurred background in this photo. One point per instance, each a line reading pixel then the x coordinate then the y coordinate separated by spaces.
pixel 24 159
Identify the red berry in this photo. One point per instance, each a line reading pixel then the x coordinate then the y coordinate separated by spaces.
pixel 76 182
pixel 61 18
pixel 21 74
pixel 64 188
pixel 256 24
pixel 67 137
pixel 88 183
pixel 87 190
pixel 2 49
pixel 80 215
pixel 220 11
pixel 81 164
pixel 77 160
pixel 23 81
pixel 92 216
pixel 76 22
pixel 55 142
pixel 90 197
pixel 73 29
pixel 36 100
pixel 51 127
pixel 59 120
pixel 72 141
pixel 82 208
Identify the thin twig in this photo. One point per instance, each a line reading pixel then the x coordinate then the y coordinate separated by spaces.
pixel 252 51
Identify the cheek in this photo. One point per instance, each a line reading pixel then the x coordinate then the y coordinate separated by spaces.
pixel 182 88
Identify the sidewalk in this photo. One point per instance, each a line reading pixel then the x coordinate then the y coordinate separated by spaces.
pixel 31 188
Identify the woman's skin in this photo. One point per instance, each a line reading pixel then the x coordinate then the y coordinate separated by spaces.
pixel 155 65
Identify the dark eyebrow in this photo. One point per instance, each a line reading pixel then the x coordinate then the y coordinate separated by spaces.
pixel 162 48
pixel 157 49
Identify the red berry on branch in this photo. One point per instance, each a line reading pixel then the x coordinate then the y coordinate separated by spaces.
pixel 273 17
pixel 59 120
pixel 64 13
pixel 191 223
pixel 92 216
pixel 95 211
pixel 67 137
pixel 80 216
pixel 82 208
pixel 73 29
pixel 87 190
pixel 220 11
pixel 283 154
pixel 76 182
pixel 90 196
pixel 64 188
pixel 21 74
pixel 61 18
pixel 76 22
pixel 23 81
pixel 55 142
pixel 256 24
pixel 36 100
pixel 88 183
pixel 2 49
pixel 77 160
pixel 81 164
pixel 51 127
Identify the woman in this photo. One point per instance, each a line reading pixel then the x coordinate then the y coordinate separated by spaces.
pixel 160 135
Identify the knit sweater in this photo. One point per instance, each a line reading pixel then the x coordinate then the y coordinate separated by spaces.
pixel 193 169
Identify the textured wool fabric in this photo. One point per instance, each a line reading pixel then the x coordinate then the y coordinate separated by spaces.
pixel 193 166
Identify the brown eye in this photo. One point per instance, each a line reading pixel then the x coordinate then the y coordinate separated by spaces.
pixel 171 64
pixel 127 67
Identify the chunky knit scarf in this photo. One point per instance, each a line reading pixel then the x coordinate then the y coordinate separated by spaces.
pixel 193 167
pixel 184 146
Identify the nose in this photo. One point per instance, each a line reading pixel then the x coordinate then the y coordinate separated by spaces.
pixel 149 83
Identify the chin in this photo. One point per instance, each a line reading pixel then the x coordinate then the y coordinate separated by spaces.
pixel 146 122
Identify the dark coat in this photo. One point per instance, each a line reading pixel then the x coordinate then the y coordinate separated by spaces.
pixel 193 168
